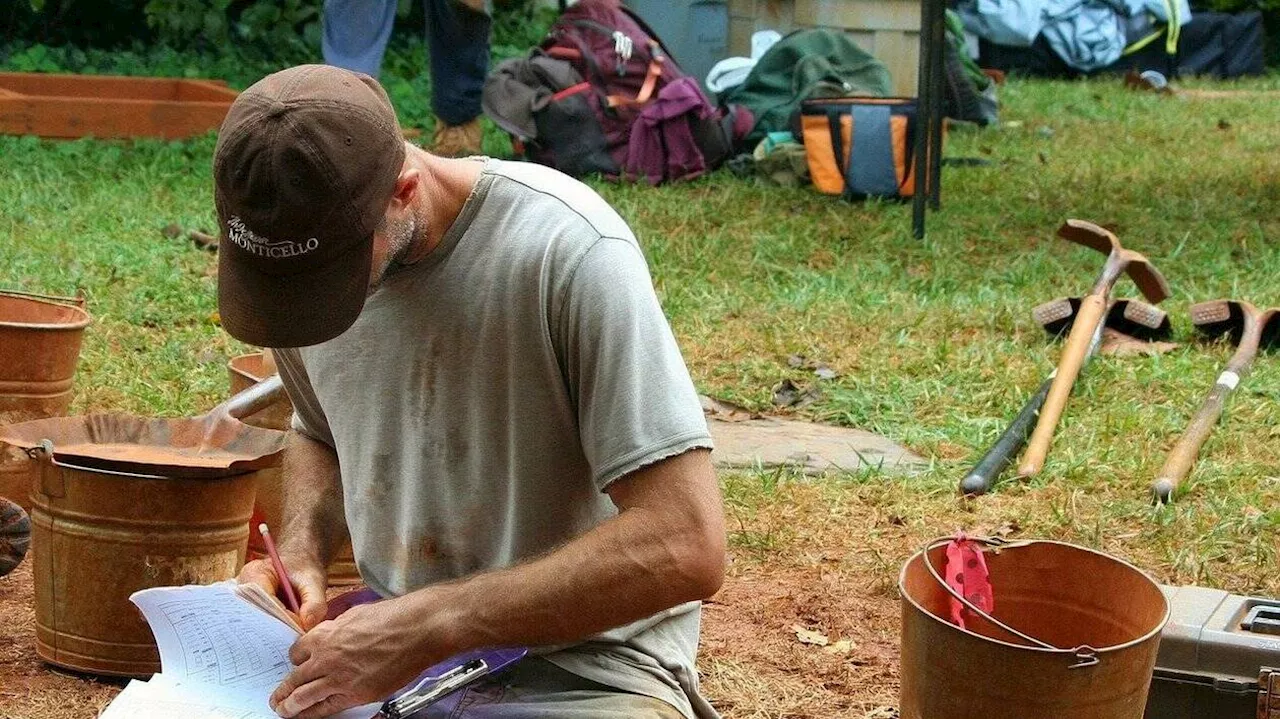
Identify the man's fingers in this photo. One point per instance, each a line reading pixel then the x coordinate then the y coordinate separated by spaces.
pixel 302 699
pixel 259 572
pixel 311 595
pixel 300 676
pixel 300 652
pixel 327 707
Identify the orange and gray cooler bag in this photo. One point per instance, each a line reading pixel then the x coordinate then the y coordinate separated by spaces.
pixel 860 147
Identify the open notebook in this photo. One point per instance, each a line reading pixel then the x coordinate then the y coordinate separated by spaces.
pixel 223 649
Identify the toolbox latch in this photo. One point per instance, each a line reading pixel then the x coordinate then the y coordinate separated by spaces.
pixel 1269 693
pixel 1262 619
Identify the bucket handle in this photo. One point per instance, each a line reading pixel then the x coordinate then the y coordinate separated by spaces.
pixel 52 483
pixel 1084 655
pixel 77 301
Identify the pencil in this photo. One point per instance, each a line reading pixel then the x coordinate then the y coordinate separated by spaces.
pixel 279 567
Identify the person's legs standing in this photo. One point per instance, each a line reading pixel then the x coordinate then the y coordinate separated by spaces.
pixel 355 33
pixel 458 41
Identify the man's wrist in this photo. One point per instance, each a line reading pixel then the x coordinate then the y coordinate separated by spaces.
pixel 439 617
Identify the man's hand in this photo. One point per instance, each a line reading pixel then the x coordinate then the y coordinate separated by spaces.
pixel 309 583
pixel 362 656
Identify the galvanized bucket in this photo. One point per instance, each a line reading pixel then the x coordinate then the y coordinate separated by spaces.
pixel 98 536
pixel 246 371
pixel 1073 635
pixel 40 337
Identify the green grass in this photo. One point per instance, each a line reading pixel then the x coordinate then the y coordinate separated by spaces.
pixel 933 339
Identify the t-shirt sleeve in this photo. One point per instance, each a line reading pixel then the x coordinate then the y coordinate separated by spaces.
pixel 308 417
pixel 635 400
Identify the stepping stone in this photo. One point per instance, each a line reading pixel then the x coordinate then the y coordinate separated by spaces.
pixel 816 448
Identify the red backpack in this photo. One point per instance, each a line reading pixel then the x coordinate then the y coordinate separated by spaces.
pixel 587 126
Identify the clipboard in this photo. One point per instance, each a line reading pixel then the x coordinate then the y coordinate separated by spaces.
pixel 439 680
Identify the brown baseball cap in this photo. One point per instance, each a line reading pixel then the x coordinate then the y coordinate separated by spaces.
pixel 306 162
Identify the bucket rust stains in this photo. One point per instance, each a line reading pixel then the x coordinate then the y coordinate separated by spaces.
pixel 198 569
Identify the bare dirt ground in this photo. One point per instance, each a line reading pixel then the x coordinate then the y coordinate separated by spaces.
pixel 754 665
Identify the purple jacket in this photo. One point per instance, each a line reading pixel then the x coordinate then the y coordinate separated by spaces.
pixel 661 146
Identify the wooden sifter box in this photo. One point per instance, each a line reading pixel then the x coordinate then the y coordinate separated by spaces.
pixel 1219 658
pixel 70 106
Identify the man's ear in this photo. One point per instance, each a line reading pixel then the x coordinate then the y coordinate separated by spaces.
pixel 407 186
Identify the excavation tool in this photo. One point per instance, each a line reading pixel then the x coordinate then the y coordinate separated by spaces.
pixel 215 444
pixel 1132 317
pixel 1250 329
pixel 1093 306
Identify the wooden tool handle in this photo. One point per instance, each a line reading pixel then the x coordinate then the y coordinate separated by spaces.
pixel 1092 309
pixel 1184 453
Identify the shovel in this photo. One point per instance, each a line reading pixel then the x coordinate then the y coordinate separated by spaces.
pixel 1093 308
pixel 1250 329
pixel 215 444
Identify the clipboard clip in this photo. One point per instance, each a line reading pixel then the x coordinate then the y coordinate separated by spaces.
pixel 431 689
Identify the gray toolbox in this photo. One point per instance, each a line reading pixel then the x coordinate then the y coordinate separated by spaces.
pixel 1216 658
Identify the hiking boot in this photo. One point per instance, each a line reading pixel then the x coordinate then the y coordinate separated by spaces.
pixel 457 140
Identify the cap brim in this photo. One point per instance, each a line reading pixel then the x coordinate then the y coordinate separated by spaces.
pixel 296 310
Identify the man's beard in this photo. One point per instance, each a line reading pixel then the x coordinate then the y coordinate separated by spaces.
pixel 399 243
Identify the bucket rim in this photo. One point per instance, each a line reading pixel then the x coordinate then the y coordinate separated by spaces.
pixel 1155 631
pixel 79 323
pixel 231 365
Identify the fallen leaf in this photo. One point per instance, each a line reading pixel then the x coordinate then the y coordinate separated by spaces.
pixel 1224 125
pixel 725 411
pixel 809 636
pixel 204 240
pixel 1008 529
pixel 788 394
pixel 1118 344
pixel 797 361
pixel 825 372
pixel 841 648
pixel 206 356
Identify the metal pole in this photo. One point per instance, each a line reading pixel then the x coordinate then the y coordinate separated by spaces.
pixel 924 101
pixel 938 39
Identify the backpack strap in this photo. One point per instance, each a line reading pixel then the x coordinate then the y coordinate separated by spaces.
pixel 872 174
pixel 646 89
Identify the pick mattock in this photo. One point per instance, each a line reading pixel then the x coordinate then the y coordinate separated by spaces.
pixel 1132 317
pixel 1250 329
pixel 1150 283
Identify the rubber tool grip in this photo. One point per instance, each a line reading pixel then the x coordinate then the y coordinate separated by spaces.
pixel 1000 456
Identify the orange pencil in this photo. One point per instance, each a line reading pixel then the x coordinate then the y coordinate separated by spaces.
pixel 279 567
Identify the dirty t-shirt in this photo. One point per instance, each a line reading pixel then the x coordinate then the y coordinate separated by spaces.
pixel 489 394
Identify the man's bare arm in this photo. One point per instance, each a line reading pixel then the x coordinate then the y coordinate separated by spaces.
pixel 313 518
pixel 665 547
pixel 313 524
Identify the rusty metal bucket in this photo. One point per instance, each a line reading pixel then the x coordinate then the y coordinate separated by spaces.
pixel 40 337
pixel 124 503
pixel 246 371
pixel 1073 635
pixel 98 536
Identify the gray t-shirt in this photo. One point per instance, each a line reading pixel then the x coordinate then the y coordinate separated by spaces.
pixel 488 394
